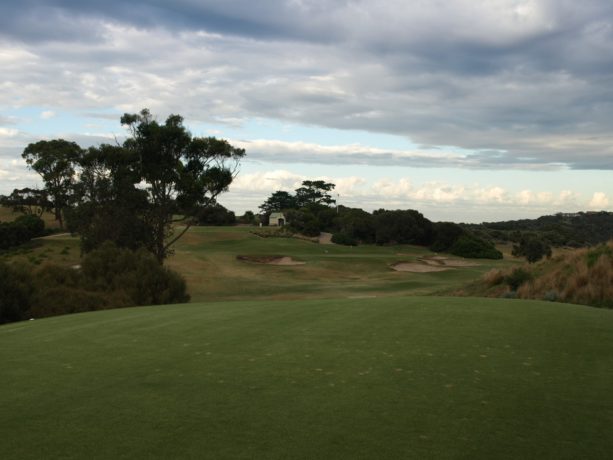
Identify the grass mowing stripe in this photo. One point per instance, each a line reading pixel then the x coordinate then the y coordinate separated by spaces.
pixel 351 378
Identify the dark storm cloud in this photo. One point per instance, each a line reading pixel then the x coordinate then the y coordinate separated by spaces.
pixel 523 83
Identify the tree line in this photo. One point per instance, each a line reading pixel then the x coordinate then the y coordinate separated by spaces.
pixel 311 210
pixel 129 203
pixel 135 193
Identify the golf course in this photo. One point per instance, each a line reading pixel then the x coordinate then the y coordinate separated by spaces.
pixel 294 349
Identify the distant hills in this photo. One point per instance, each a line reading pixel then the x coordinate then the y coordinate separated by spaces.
pixel 562 229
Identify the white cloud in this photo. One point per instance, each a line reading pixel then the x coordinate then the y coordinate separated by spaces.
pixel 403 194
pixel 495 77
pixel 47 114
pixel 269 181
pixel 387 187
pixel 8 132
pixel 599 201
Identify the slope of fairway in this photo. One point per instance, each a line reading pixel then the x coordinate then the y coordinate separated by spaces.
pixel 357 379
pixel 207 258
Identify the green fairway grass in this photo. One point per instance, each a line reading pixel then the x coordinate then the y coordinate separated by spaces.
pixel 412 377
pixel 206 257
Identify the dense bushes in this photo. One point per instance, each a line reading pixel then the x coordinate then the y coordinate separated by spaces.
pixel 110 277
pixel 532 248
pixel 562 229
pixel 445 235
pixel 304 221
pixel 402 227
pixel 136 275
pixel 517 278
pixel 351 226
pixel 20 231
pixel 344 239
pixel 215 215
pixel 15 293
pixel 475 248
pixel 356 224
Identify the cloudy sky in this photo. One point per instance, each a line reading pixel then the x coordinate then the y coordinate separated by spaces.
pixel 467 110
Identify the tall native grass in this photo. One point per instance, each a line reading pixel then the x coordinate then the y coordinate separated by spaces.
pixel 583 276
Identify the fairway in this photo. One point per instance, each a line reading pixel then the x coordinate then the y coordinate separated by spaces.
pixel 400 377
pixel 207 258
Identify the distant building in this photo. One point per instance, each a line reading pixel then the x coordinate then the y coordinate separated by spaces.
pixel 277 219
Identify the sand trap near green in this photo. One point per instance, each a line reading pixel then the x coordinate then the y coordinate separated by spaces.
pixel 369 378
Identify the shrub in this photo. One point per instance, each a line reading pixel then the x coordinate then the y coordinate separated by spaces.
pixel 15 293
pixel 402 227
pixel 445 235
pixel 34 225
pixel 215 215
pixel 357 224
pixel 20 231
pixel 304 221
pixel 518 277
pixel 344 239
pixel 52 300
pixel 474 248
pixel 532 248
pixel 110 277
pixel 136 273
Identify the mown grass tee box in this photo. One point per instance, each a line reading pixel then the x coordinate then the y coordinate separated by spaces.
pixel 400 377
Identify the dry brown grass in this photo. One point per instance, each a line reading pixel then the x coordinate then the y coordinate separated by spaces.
pixel 8 215
pixel 493 277
pixel 583 276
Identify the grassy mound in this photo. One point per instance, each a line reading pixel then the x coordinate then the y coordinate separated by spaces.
pixel 373 378
pixel 582 276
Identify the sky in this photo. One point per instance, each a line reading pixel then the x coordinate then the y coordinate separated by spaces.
pixel 466 110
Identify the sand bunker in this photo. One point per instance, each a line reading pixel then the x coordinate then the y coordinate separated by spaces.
pixel 431 264
pixel 460 263
pixel 270 260
pixel 416 267
pixel 440 261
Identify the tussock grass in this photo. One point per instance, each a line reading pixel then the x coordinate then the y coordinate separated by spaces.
pixel 583 276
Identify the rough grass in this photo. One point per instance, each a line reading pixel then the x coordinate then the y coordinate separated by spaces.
pixel 8 215
pixel 357 379
pixel 581 276
pixel 61 249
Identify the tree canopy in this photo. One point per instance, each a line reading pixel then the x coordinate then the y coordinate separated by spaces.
pixel 181 173
pixel 55 161
pixel 133 194
pixel 314 193
pixel 28 201
pixel 278 201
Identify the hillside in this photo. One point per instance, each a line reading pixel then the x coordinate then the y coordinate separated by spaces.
pixel 581 276
pixel 561 229
pixel 372 378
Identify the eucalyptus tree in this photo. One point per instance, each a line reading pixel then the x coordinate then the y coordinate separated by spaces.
pixel 180 173
pixel 55 162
